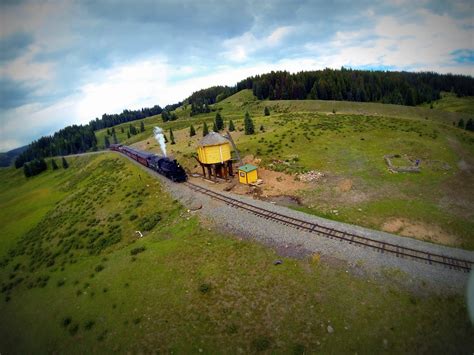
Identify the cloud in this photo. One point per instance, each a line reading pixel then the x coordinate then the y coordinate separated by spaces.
pixel 239 48
pixel 14 45
pixel 69 61
pixel 429 43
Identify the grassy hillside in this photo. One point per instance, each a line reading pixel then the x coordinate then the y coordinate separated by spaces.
pixel 235 106
pixel 349 146
pixel 451 103
pixel 75 279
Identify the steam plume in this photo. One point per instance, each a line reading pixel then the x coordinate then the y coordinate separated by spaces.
pixel 160 138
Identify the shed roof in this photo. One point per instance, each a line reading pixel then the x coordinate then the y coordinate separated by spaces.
pixel 248 168
pixel 212 138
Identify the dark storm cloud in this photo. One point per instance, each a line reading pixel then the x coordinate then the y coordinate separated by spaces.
pixel 13 94
pixel 225 18
pixel 14 45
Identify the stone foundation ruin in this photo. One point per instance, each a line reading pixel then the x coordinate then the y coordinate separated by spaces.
pixel 414 168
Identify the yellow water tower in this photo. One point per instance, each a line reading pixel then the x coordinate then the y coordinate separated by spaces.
pixel 213 149
pixel 214 154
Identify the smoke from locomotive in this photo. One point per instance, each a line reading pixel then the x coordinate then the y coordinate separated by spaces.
pixel 161 164
pixel 160 138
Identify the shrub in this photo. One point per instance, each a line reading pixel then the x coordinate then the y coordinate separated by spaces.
pixel 261 343
pixel 89 324
pixel 66 321
pixel 204 288
pixel 137 250
pixel 99 268
pixel 149 222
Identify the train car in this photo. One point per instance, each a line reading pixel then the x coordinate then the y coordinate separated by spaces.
pixel 116 147
pixel 137 155
pixel 170 168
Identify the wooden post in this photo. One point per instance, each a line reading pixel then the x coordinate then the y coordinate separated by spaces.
pixel 225 172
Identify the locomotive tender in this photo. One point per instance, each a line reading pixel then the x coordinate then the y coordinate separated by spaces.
pixel 162 165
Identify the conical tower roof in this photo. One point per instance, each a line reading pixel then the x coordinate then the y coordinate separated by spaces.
pixel 213 138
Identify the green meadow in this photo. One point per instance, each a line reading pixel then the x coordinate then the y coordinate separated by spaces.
pixel 451 103
pixel 76 278
pixel 348 141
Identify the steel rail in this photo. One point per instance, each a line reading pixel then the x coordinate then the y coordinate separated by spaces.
pixel 343 236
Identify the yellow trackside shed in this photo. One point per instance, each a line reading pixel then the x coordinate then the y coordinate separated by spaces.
pixel 214 149
pixel 248 174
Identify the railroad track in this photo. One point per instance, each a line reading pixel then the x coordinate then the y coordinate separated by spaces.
pixel 351 238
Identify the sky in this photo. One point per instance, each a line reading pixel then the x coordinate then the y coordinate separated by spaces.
pixel 68 62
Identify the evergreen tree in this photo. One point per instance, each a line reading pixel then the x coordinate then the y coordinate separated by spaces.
pixel 65 164
pixel 219 122
pixel 231 126
pixel 54 165
pixel 165 116
pixel 106 142
pixel 166 138
pixel 266 111
pixel 113 131
pixel 42 164
pixel 205 129
pixel 262 129
pixel 114 138
pixel 27 169
pixel 192 132
pixel 248 123
pixel 108 132
pixel 172 136
pixel 461 123
pixel 133 130
pixel 470 125
pixel 34 167
pixel 128 134
pixel 214 127
pixel 142 127
pixel 122 130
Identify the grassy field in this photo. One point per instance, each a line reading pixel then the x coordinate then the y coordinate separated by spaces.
pixel 451 103
pixel 348 146
pixel 234 108
pixel 75 279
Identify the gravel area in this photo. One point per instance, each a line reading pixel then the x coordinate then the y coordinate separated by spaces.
pixel 291 242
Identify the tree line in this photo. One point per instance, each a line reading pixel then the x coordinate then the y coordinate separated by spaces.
pixel 70 140
pixel 80 138
pixel 37 166
pixel 126 116
pixel 401 88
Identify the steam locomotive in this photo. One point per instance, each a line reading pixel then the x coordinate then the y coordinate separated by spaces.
pixel 162 165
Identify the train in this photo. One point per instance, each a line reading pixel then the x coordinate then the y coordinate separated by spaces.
pixel 161 164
